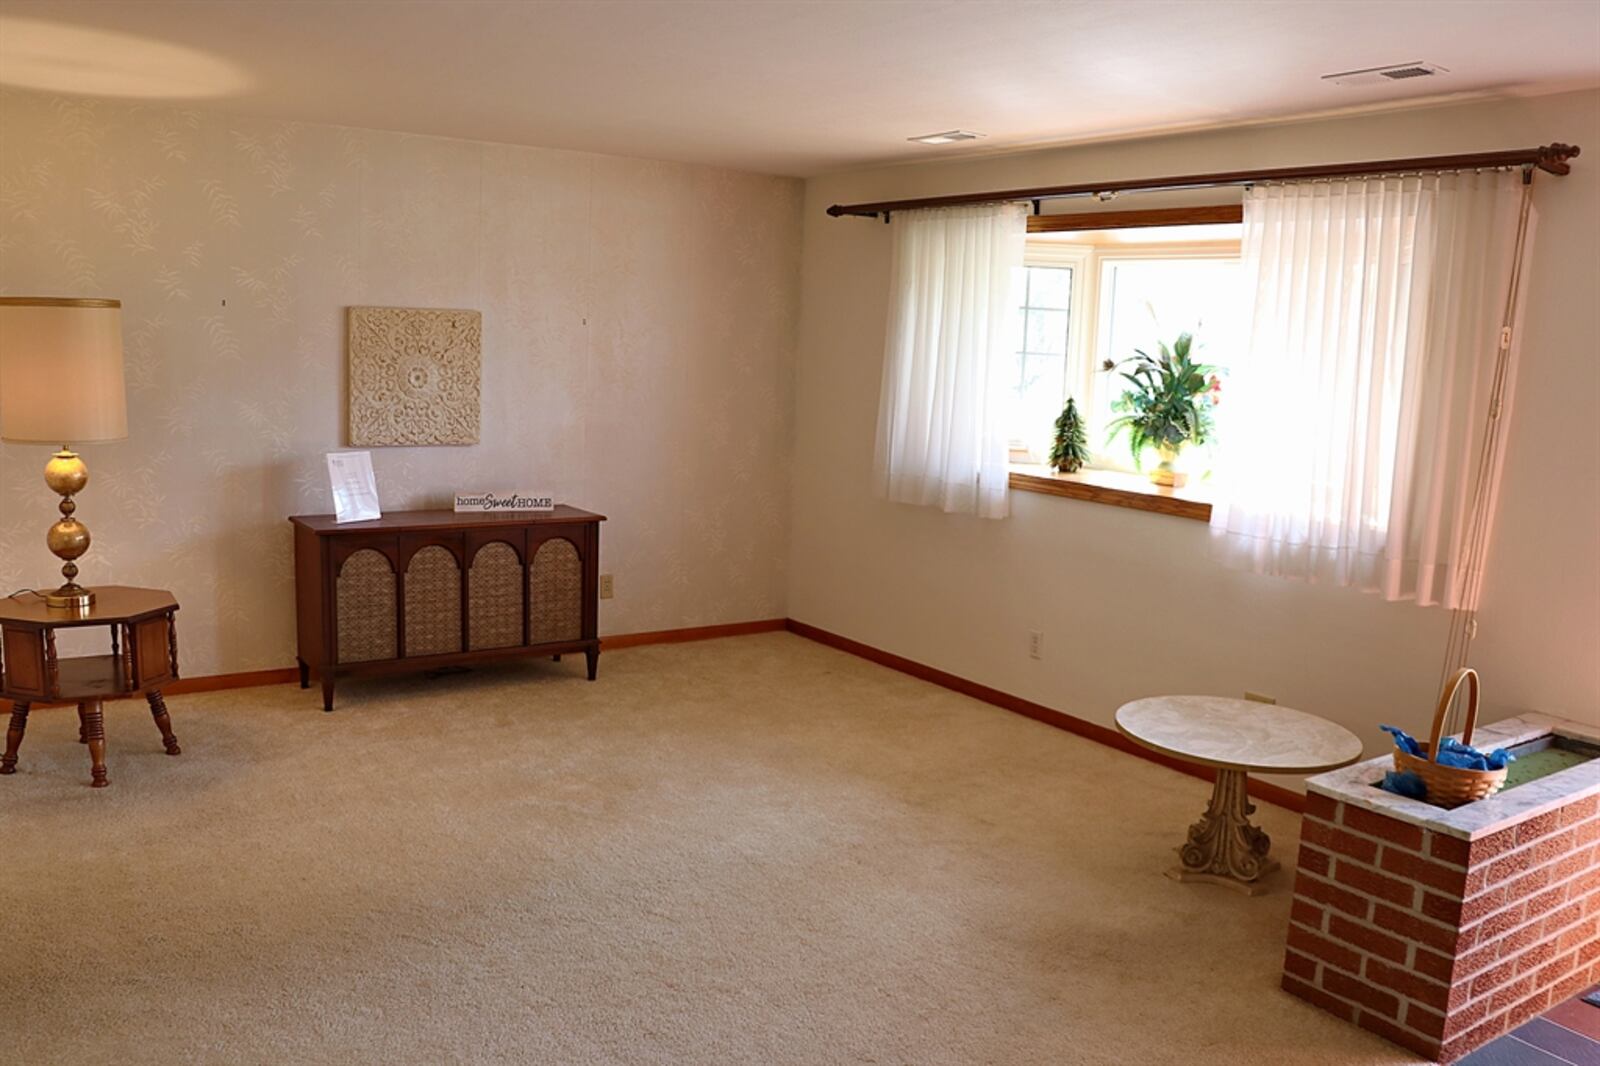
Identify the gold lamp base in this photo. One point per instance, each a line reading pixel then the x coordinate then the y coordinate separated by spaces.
pixel 70 597
pixel 68 539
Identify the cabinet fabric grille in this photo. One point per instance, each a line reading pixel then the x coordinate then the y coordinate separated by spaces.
pixel 433 603
pixel 494 598
pixel 365 603
pixel 555 593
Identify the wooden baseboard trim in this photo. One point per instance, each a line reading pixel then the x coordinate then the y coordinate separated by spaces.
pixel 291 675
pixel 1262 790
pixel 218 682
pixel 680 636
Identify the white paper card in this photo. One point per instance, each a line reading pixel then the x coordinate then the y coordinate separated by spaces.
pixel 503 501
pixel 355 490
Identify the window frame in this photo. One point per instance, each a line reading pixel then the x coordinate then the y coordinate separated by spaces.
pixel 1074 257
pixel 1086 334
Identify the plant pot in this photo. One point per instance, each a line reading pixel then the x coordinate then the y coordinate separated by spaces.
pixel 1165 474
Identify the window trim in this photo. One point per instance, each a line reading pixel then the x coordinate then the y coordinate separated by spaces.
pixel 1205 215
pixel 1112 487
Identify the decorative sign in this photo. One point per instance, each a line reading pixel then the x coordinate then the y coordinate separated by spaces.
pixel 355 490
pixel 503 501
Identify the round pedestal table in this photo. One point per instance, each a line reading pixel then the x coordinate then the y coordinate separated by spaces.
pixel 1235 737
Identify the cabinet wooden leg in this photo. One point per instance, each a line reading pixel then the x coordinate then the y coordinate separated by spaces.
pixel 95 721
pixel 83 727
pixel 593 655
pixel 158 711
pixel 305 674
pixel 327 694
pixel 19 725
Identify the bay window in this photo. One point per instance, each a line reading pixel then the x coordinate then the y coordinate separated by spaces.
pixel 1089 296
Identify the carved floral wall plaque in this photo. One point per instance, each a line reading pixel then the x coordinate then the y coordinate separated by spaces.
pixel 414 376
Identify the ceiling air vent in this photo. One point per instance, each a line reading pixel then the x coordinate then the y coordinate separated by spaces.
pixel 1393 72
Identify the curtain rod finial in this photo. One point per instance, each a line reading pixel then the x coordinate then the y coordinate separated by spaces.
pixel 1554 158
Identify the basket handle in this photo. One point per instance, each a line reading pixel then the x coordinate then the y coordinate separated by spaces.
pixel 1446 697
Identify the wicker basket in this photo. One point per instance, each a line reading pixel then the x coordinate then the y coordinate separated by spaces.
pixel 1451 786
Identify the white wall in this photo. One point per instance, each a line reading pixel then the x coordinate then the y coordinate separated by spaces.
pixel 1129 601
pixel 639 323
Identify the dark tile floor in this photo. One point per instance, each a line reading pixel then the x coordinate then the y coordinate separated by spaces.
pixel 1567 1035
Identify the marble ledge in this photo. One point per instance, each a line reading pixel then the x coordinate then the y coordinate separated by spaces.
pixel 1356 784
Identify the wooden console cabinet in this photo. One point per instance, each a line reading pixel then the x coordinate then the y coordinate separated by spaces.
pixel 420 590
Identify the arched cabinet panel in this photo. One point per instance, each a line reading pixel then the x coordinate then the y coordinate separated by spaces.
pixel 365 608
pixel 555 592
pixel 422 589
pixel 494 597
pixel 433 602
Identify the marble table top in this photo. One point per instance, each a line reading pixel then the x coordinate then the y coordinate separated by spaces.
pixel 1238 734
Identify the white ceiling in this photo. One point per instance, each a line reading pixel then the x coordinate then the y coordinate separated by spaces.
pixel 786 86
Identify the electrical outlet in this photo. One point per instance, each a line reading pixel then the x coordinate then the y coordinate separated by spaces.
pixel 1256 697
pixel 607 587
pixel 1035 644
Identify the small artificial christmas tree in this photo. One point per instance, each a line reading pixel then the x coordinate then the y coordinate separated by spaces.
pixel 1071 448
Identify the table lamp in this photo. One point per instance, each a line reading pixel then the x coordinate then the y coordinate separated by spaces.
pixel 60 381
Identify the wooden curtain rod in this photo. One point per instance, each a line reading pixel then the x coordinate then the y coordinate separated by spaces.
pixel 1551 158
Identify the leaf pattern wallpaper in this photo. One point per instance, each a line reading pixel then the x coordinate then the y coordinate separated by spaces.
pixel 639 327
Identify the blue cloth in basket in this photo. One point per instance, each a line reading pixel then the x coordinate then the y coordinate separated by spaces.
pixel 1405 784
pixel 1452 752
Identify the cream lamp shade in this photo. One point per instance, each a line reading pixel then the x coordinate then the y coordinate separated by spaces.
pixel 61 370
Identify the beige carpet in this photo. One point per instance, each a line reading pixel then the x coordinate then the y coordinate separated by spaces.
pixel 748 851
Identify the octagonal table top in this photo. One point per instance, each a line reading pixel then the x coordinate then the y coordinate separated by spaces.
pixel 112 603
pixel 1238 734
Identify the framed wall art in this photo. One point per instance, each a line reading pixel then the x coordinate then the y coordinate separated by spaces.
pixel 414 376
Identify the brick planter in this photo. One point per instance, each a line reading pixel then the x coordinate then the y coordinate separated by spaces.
pixel 1440 930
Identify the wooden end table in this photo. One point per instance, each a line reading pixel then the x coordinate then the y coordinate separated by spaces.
pixel 144 657
pixel 1236 737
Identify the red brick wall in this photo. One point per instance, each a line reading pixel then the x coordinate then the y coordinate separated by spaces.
pixel 1437 944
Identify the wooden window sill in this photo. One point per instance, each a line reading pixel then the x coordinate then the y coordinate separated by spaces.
pixel 1115 488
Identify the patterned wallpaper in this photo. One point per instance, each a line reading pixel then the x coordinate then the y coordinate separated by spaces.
pixel 639 323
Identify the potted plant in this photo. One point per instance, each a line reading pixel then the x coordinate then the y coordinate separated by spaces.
pixel 1168 404
pixel 1070 449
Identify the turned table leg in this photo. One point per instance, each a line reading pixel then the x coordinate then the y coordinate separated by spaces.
pixel 83 727
pixel 1223 847
pixel 19 725
pixel 95 721
pixel 158 711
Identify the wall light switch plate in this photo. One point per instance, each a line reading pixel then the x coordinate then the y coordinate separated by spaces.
pixel 1035 644
pixel 607 587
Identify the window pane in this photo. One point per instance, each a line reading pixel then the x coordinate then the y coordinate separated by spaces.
pixel 1146 302
pixel 1047 332
pixel 1036 400
pixel 1050 287
pixel 1038 370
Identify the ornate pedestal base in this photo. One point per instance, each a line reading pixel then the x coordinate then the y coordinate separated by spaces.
pixel 1224 848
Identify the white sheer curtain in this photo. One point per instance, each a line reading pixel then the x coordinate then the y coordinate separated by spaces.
pixel 1354 450
pixel 940 438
